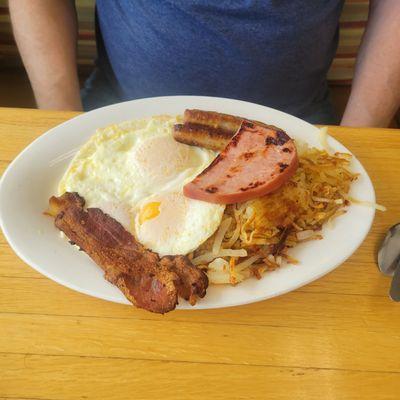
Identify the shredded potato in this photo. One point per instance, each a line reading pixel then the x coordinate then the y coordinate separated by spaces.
pixel 220 235
pixel 323 138
pixel 249 261
pixel 255 236
pixel 218 271
pixel 367 203
pixel 209 256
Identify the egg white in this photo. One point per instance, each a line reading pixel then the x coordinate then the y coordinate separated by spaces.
pixel 181 224
pixel 125 166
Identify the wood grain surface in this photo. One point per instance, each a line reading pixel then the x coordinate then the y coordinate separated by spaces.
pixel 337 338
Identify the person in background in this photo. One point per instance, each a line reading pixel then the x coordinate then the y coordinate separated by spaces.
pixel 275 53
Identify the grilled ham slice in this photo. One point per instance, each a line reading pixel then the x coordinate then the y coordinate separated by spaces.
pixel 258 160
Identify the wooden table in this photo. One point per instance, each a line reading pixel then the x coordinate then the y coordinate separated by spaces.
pixel 337 338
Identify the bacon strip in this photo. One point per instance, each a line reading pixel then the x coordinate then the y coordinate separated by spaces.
pixel 146 280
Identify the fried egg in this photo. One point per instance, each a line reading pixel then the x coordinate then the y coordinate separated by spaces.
pixel 134 171
pixel 170 223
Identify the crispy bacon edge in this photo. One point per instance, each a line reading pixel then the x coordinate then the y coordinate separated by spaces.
pixel 148 281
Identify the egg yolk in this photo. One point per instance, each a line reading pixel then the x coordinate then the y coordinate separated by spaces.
pixel 149 211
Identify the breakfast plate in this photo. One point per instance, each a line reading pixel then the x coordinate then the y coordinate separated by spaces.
pixel 33 177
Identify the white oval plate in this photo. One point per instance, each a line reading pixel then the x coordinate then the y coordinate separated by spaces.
pixel 32 178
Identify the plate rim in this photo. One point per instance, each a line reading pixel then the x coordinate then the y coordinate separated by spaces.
pixel 198 306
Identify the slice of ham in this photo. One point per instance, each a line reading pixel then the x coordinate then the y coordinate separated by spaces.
pixel 258 160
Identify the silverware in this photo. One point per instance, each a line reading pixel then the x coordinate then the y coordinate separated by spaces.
pixel 395 286
pixel 389 259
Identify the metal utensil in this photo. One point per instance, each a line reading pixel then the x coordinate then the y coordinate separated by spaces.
pixel 395 286
pixel 389 259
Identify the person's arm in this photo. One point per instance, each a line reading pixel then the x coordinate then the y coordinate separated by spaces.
pixel 375 93
pixel 46 34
